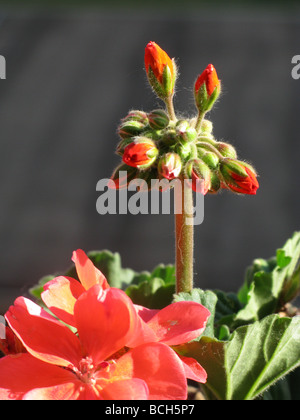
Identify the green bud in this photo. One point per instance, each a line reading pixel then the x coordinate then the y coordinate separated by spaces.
pixel 169 136
pixel 206 127
pixel 183 150
pixel 185 132
pixel 226 150
pixel 210 158
pixel 153 134
pixel 158 119
pixel 136 115
pixel 131 129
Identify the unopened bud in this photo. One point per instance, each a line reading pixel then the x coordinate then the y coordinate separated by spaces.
pixel 169 137
pixel 161 70
pixel 170 165
pixel 185 132
pixel 136 115
pixel 183 150
pixel 206 127
pixel 238 176
pixel 197 170
pixel 131 128
pixel 210 158
pixel 207 89
pixel 155 135
pixel 158 119
pixel 141 153
pixel 226 150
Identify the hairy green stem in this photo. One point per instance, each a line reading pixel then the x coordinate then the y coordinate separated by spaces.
pixel 170 108
pixel 199 121
pixel 184 230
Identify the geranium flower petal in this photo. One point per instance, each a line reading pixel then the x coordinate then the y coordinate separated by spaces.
pixel 193 370
pixel 105 320
pixel 128 389
pixel 68 391
pixel 179 322
pixel 23 373
pixel 42 335
pixel 60 296
pixel 88 274
pixel 159 366
pixel 145 313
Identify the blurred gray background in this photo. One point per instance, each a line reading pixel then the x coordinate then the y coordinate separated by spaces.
pixel 74 72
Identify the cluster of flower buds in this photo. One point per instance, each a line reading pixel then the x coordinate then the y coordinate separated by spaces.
pixel 157 145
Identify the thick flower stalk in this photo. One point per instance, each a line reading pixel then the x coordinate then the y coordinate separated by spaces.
pixel 159 145
pixel 107 356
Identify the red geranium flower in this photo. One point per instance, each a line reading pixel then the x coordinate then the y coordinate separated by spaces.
pixel 93 365
pixel 178 323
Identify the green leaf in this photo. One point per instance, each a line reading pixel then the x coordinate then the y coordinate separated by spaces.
pixel 270 284
pixel 255 357
pixel 228 305
pixel 206 298
pixel 153 290
pixel 165 272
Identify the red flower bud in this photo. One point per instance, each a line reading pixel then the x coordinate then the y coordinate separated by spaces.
pixel 197 170
pixel 160 70
pixel 210 78
pixel 170 166
pixel 239 177
pixel 140 154
pixel 207 89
